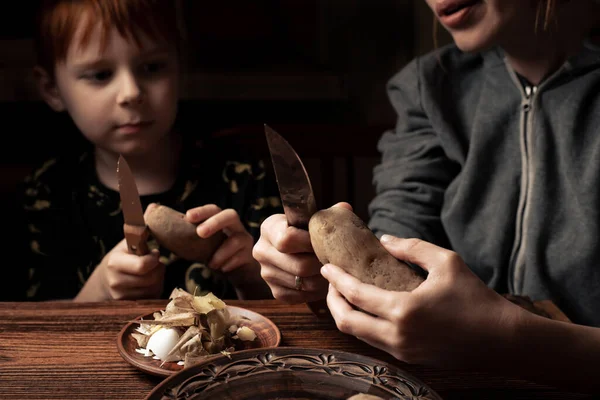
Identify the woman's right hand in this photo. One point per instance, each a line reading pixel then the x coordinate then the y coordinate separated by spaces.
pixel 125 276
pixel 284 253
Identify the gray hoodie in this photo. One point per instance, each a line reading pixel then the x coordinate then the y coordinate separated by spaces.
pixel 506 175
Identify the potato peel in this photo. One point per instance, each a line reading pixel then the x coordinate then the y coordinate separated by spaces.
pixel 204 323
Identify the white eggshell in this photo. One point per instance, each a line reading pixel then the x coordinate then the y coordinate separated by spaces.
pixel 246 334
pixel 162 341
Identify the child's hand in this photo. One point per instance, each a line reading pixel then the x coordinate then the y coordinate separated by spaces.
pixel 236 251
pixel 125 276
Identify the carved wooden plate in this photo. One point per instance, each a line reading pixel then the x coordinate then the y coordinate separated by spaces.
pixel 267 335
pixel 287 373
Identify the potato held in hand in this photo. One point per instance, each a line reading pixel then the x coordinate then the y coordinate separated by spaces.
pixel 171 230
pixel 340 237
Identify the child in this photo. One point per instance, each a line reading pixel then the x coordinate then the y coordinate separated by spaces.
pixel 113 66
pixel 492 173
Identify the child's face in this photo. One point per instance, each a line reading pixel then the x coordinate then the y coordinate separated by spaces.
pixel 124 100
pixel 479 24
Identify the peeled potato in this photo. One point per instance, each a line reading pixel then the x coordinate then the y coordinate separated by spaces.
pixel 171 230
pixel 340 237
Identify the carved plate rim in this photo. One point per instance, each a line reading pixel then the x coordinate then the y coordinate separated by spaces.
pixel 151 366
pixel 220 370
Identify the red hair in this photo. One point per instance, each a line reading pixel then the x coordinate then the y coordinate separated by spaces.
pixel 58 20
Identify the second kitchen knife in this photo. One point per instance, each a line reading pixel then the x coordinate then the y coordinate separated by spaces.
pixel 296 193
pixel 135 229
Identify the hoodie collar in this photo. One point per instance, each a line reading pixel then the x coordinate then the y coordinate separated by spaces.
pixel 589 56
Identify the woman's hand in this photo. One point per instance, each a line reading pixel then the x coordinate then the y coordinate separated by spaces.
pixel 284 253
pixel 451 319
pixel 125 276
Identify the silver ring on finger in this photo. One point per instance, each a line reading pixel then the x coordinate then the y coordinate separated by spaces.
pixel 298 283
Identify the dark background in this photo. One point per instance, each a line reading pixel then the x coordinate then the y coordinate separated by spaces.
pixel 315 70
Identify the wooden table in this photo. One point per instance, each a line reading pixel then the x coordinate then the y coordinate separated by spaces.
pixel 65 350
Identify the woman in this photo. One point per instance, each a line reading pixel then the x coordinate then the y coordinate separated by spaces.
pixel 488 183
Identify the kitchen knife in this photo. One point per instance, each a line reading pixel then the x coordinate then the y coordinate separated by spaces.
pixel 295 191
pixel 135 229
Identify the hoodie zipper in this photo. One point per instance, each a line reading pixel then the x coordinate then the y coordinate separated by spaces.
pixel 529 95
pixel 516 259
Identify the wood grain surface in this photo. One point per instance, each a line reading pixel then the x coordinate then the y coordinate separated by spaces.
pixel 65 350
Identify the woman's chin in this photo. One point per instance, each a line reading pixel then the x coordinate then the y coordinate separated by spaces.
pixel 470 43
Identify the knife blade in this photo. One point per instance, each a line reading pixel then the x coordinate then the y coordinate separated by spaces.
pixel 296 193
pixel 134 227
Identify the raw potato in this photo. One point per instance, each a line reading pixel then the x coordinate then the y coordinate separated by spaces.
pixel 172 231
pixel 340 237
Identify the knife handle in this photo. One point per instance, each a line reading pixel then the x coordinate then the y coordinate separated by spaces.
pixel 137 239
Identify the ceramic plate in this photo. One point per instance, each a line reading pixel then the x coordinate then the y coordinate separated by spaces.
pixel 288 373
pixel 267 335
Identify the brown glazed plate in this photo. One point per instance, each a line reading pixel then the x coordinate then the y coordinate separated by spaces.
pixel 291 373
pixel 267 335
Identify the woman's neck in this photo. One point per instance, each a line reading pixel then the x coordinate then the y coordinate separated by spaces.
pixel 155 171
pixel 550 46
pixel 538 64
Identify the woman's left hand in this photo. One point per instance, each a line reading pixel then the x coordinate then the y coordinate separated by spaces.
pixel 452 319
